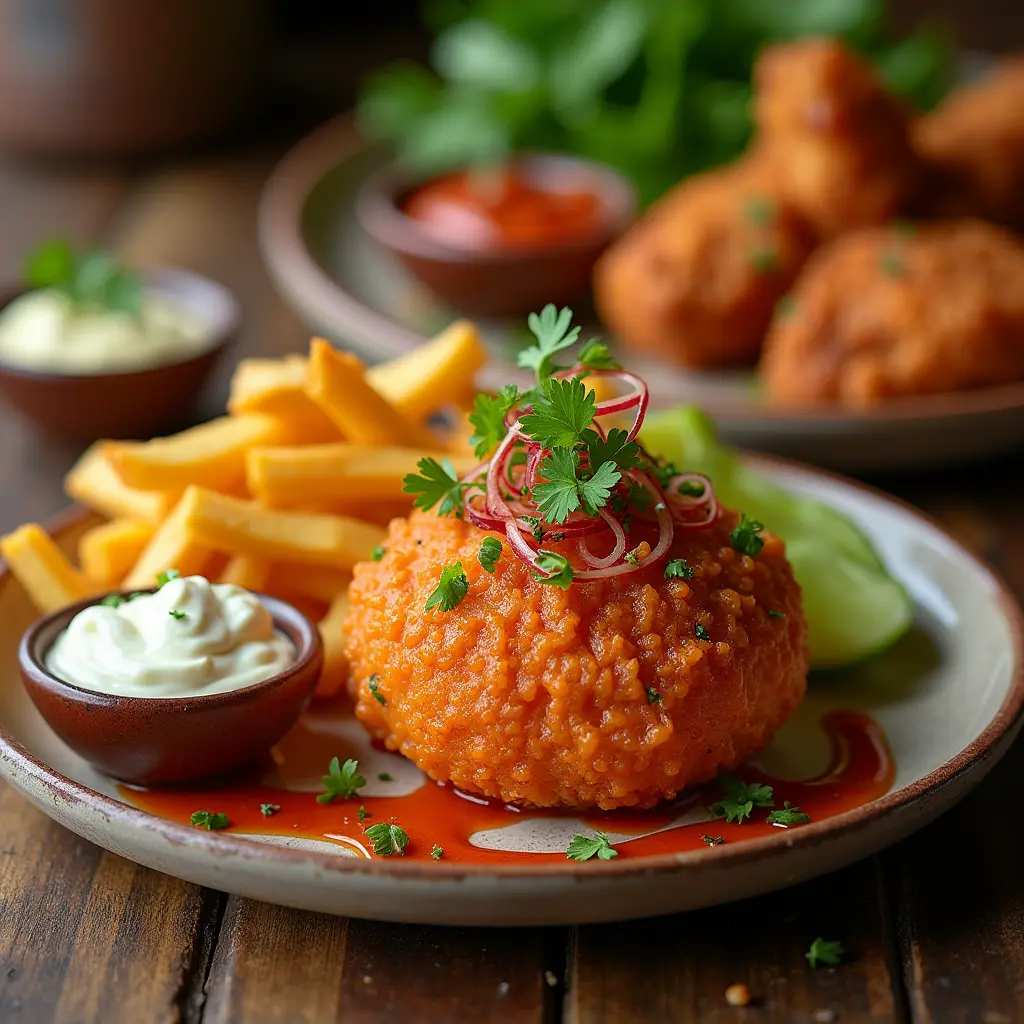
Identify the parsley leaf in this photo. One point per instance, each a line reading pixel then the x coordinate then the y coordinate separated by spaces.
pixel 556 567
pixel 175 614
pixel 269 810
pixel 653 697
pixel 112 601
pixel 378 552
pixel 435 482
pixel 774 613
pixel 450 590
pixel 551 329
pixel 746 536
pixel 374 685
pixel 343 780
pixel 595 355
pixel 633 556
pixel 437 852
pixel 825 951
pixel 559 493
pixel 384 777
pixel 616 448
pixel 740 799
pixel 210 820
pixel 363 815
pixel 712 840
pixel 488 419
pixel 560 414
pixel 596 489
pixel 163 578
pixel 678 569
pixel 388 839
pixel 585 847
pixel 788 815
pixel 701 633
pixel 490 552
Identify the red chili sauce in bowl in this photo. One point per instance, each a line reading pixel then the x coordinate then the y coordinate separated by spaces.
pixel 504 209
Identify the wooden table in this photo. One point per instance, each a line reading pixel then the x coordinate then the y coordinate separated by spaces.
pixel 935 926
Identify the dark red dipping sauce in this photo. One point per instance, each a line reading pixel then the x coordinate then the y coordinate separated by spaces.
pixel 504 209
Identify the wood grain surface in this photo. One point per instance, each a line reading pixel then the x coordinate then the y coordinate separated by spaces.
pixel 935 927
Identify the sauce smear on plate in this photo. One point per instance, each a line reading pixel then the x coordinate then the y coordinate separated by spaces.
pixel 860 769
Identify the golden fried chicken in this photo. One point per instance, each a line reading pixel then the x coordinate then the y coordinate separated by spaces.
pixel 838 139
pixel 972 147
pixel 696 281
pixel 890 311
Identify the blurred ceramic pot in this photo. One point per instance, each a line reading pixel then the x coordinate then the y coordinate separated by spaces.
pixel 90 77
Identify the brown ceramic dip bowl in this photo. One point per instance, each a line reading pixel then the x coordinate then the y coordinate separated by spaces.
pixel 163 740
pixel 501 281
pixel 134 403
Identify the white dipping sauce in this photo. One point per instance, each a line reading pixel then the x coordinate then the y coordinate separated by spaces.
pixel 43 330
pixel 190 638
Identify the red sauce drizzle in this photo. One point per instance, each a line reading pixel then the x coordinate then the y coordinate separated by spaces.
pixel 861 769
pixel 501 210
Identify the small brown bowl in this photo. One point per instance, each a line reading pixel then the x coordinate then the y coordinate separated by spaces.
pixel 162 740
pixel 134 403
pixel 500 282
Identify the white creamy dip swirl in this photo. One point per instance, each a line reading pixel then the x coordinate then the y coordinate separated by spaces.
pixel 190 638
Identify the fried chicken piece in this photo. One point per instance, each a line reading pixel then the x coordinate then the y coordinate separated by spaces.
pixel 697 279
pixel 838 139
pixel 884 312
pixel 972 147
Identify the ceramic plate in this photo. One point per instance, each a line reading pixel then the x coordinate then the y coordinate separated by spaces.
pixel 349 289
pixel 946 701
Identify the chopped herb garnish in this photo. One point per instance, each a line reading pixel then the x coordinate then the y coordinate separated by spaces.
pixel 437 483
pixel 678 569
pixel 759 210
pixel 774 613
pixel 701 633
pixel 163 578
pixel 210 820
pixel 595 355
pixel 450 590
pixel 560 414
pixel 554 569
pixel 740 799
pixel 91 280
pixel 490 552
pixel 387 838
pixel 269 810
pixel 891 264
pixel 653 697
pixel 112 601
pixel 825 951
pixel 175 614
pixel 437 852
pixel 788 815
pixel 378 552
pixel 342 780
pixel 551 329
pixel 363 814
pixel 585 847
pixel 746 536
pixel 786 307
pixel 488 420
pixel 764 260
pixel 384 777
pixel 374 685
pixel 633 557
pixel 712 840
pixel 536 527
pixel 691 488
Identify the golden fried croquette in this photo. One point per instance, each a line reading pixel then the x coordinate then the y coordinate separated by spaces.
pixel 601 695
pixel 972 147
pixel 838 139
pixel 696 281
pixel 886 311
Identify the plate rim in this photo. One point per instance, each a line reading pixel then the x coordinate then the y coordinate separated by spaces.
pixel 280 211
pixel 991 742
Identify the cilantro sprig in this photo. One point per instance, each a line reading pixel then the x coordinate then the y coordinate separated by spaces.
pixel 342 780
pixel 825 951
pixel 739 799
pixel 488 419
pixel 436 483
pixel 585 847
pixel 210 820
pixel 746 536
pixel 450 590
pixel 555 569
pixel 387 839
pixel 551 329
pixel 92 281
pixel 490 552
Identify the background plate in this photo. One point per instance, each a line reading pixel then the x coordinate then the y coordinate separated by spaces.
pixel 949 699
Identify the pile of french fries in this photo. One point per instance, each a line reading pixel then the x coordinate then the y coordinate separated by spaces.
pixel 282 496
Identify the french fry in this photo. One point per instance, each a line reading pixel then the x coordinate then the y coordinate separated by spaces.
pixel 171 547
pixel 49 579
pixel 94 482
pixel 338 384
pixel 433 375
pixel 218 522
pixel 211 455
pixel 335 474
pixel 246 571
pixel 318 581
pixel 277 387
pixel 335 671
pixel 108 551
